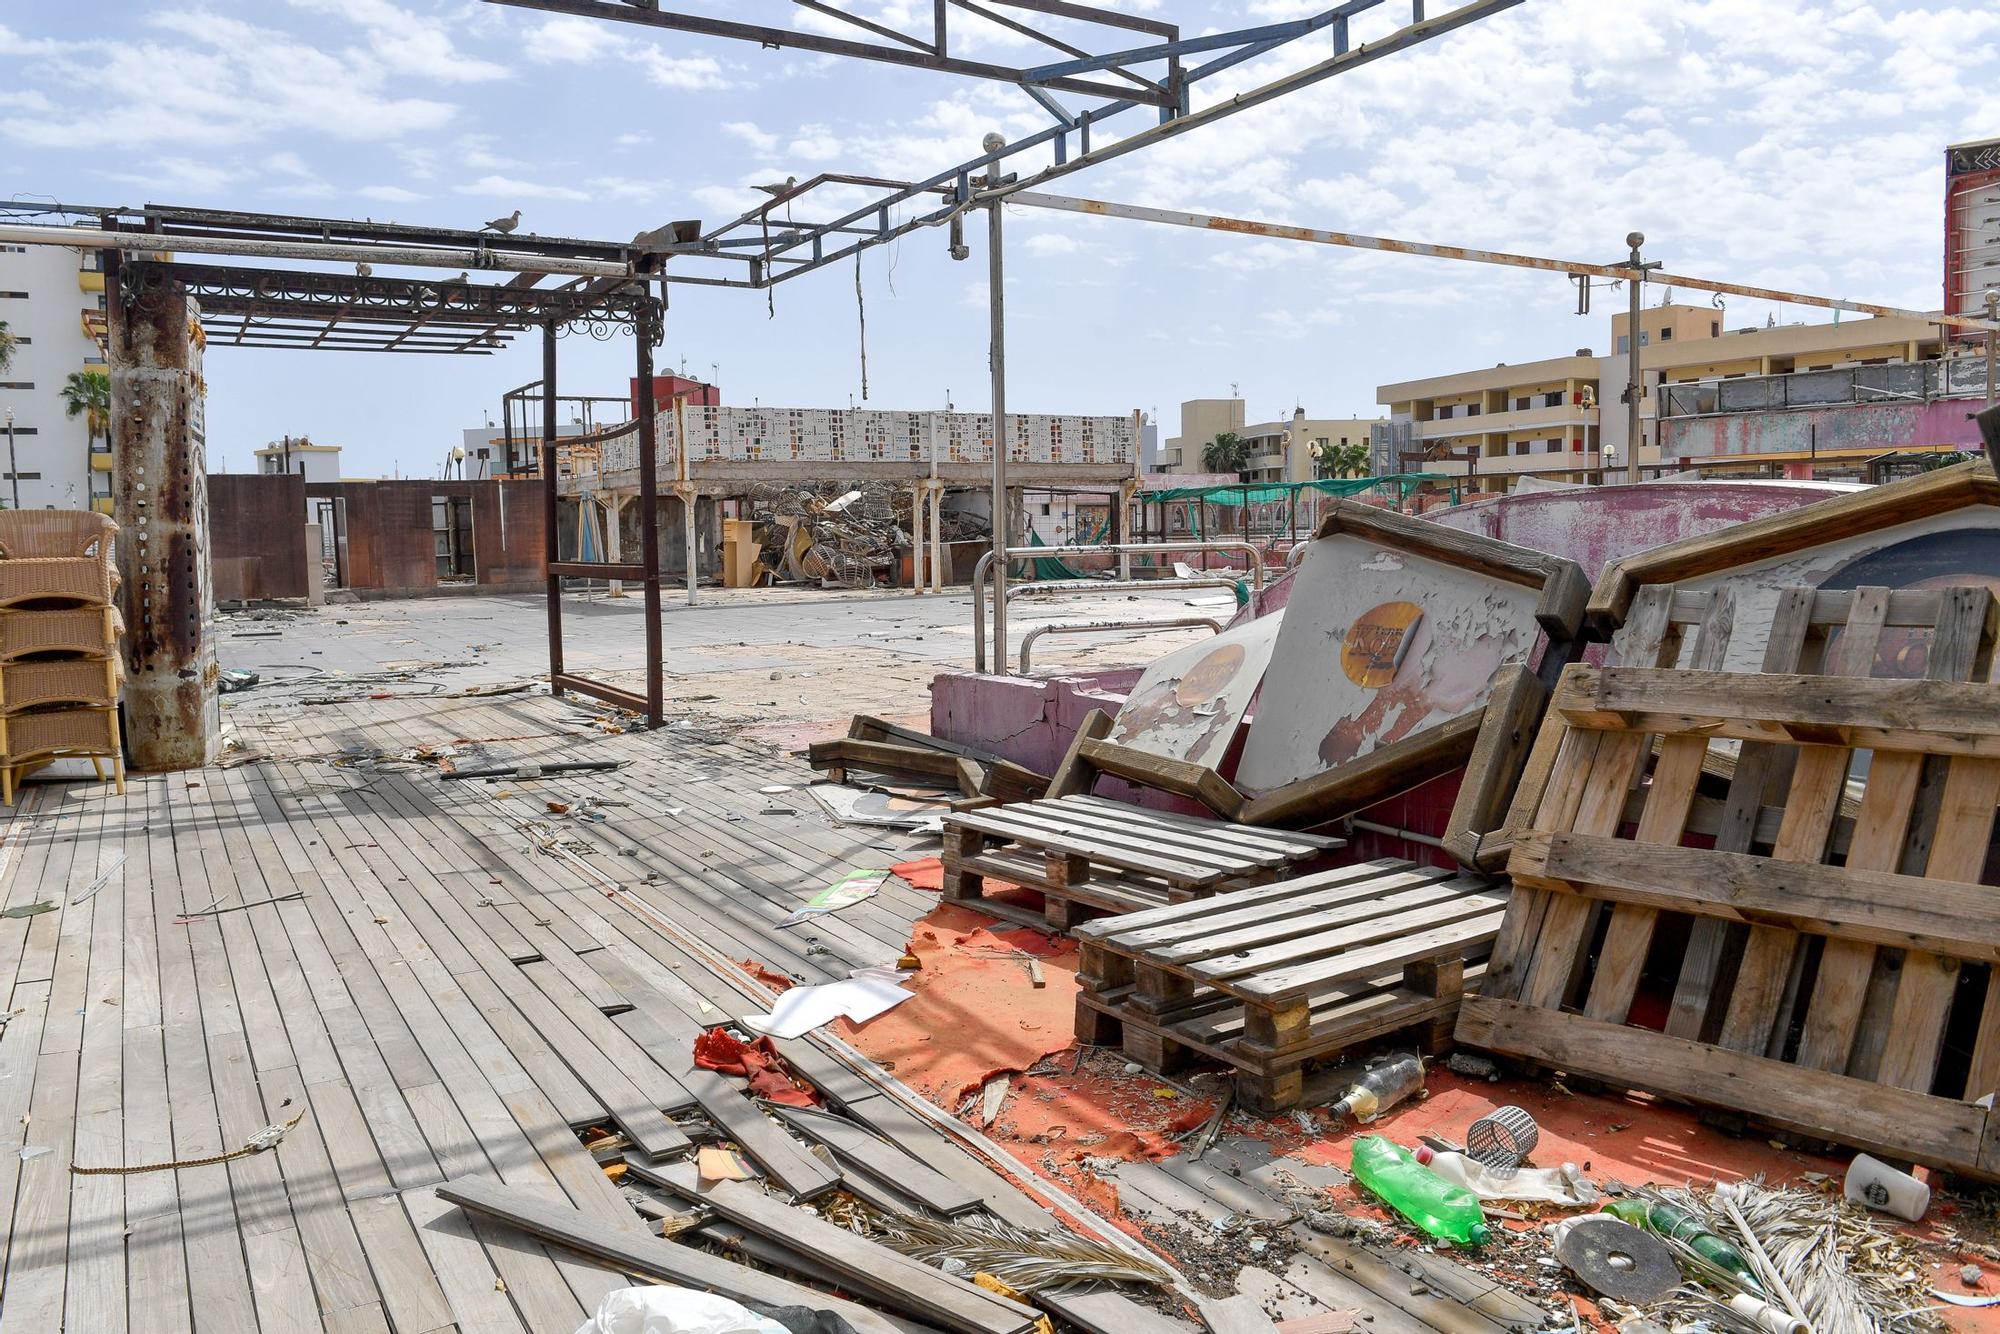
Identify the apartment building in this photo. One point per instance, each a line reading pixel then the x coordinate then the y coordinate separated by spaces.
pixel 1286 450
pixel 53 302
pixel 1564 419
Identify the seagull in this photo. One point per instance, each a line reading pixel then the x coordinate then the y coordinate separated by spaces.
pixel 363 271
pixel 504 225
pixel 778 190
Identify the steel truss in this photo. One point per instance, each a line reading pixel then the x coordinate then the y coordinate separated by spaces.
pixel 252 307
pixel 768 245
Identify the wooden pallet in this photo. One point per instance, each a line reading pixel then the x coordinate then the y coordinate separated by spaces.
pixel 1800 961
pixel 1271 977
pixel 1086 856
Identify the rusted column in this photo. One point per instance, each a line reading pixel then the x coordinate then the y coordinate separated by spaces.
pixel 159 486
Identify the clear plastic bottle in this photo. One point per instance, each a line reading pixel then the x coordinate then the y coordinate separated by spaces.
pixel 1381 1088
pixel 1419 1194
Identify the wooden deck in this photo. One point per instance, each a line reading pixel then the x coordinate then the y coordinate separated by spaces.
pixel 396 957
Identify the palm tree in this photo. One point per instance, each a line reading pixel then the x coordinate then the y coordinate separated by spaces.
pixel 1228 452
pixel 87 394
pixel 1346 459
pixel 7 342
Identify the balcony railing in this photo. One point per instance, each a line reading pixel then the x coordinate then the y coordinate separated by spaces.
pixel 1920 381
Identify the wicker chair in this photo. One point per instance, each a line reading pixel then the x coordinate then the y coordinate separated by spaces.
pixel 85 681
pixel 56 554
pixel 91 631
pixel 31 740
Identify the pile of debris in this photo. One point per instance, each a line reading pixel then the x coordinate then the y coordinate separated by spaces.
pixel 832 535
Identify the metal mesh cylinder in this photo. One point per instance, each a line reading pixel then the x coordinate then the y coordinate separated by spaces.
pixel 1502 1139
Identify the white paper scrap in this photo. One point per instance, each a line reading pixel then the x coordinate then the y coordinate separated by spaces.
pixel 865 993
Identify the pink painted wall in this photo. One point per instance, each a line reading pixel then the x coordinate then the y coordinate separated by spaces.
pixel 1595 525
pixel 1878 427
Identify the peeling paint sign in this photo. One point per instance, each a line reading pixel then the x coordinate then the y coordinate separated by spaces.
pixel 1377 645
pixel 1188 704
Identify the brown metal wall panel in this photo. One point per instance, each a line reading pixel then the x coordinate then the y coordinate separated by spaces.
pixel 256 535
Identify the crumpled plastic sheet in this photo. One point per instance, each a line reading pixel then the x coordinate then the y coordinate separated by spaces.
pixel 666 1309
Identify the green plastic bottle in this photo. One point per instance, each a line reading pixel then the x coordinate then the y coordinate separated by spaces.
pixel 1419 1194
pixel 1682 1226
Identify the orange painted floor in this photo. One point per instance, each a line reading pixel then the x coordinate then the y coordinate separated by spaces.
pixel 977 1015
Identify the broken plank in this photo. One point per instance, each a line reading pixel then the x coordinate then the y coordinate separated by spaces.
pixel 655 1257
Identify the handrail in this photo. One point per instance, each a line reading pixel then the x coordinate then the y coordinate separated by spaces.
pixel 1085 627
pixel 981 570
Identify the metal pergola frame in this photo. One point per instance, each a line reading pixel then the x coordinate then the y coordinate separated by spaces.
pixel 252 297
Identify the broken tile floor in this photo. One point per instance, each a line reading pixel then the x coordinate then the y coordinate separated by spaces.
pixel 324 928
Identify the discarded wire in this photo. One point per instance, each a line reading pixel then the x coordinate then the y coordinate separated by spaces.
pixel 270 1137
pixel 212 910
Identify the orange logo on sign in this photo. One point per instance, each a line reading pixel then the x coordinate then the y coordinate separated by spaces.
pixel 1373 648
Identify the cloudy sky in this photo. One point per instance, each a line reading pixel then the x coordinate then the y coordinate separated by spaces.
pixel 1778 142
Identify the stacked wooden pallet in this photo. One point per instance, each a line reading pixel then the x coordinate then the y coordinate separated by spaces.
pixel 60 666
pixel 1270 978
pixel 1834 981
pixel 1087 856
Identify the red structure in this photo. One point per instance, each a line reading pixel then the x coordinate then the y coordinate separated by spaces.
pixel 667 388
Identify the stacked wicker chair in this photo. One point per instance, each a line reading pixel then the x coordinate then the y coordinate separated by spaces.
pixel 60 666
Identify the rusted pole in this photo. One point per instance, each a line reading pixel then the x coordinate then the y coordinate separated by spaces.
pixel 160 501
pixel 649 527
pixel 551 549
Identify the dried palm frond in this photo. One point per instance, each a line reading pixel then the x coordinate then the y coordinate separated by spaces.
pixel 1849 1272
pixel 1022 1259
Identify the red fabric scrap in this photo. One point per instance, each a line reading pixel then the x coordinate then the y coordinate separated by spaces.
pixel 924 873
pixel 770 1078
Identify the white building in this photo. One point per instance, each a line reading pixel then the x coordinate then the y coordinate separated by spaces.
pixel 50 298
pixel 316 463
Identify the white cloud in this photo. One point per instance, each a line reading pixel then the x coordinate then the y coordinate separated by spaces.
pixel 209 80
pixel 389 194
pixel 748 132
pixel 510 188
pixel 1044 245
pixel 683 73
pixel 407 42
pixel 569 40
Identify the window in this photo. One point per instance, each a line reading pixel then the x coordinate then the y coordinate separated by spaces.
pixel 17 384
pixel 1666 335
pixel 16 296
pixel 1521 446
pixel 1520 404
pixel 1715 328
pixel 1552 399
pixel 1472 409
pixel 1624 343
pixel 22 476
pixel 22 430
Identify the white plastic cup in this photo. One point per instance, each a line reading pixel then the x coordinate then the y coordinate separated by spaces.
pixel 1872 1182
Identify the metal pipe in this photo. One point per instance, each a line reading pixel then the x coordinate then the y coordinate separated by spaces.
pixel 1089 627
pixel 649 517
pixel 987 562
pixel 415 257
pixel 551 549
pixel 1635 387
pixel 996 303
pixel 1407 835
pixel 1361 241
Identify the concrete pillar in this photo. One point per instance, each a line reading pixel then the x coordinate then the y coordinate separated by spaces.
pixel 315 566
pixel 159 487
pixel 937 538
pixel 918 578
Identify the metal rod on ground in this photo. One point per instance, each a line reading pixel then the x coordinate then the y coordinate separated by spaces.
pixel 1634 385
pixel 996 301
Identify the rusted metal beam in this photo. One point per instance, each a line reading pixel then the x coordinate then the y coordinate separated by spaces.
pixel 159 487
pixel 1361 241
